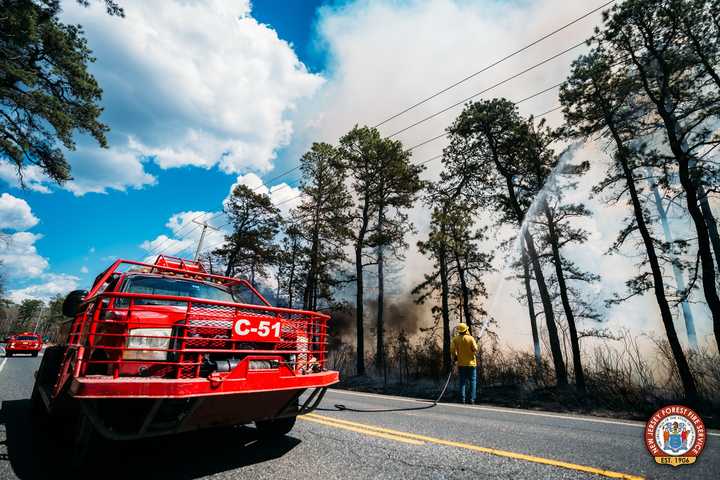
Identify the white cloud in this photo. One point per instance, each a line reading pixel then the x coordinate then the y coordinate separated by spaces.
pixel 385 56
pixel 19 256
pixel 166 245
pixel 197 83
pixel 32 177
pixel 15 213
pixel 186 234
pixel 97 170
pixel 84 269
pixel 282 195
pixel 50 286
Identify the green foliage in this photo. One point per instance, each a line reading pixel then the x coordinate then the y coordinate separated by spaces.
pixel 249 249
pixel 291 262
pixel 46 91
pixel 453 234
pixel 322 218
pixel 28 314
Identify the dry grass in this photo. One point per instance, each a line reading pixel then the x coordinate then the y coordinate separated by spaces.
pixel 622 380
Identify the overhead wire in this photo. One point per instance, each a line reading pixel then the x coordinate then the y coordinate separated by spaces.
pixel 161 247
pixel 497 62
pixel 501 82
pixel 465 79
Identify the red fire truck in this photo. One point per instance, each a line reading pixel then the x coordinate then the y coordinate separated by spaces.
pixel 27 342
pixel 167 348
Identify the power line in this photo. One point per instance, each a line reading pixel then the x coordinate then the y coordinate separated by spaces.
pixel 502 82
pixel 459 82
pixel 161 247
pixel 484 69
pixel 427 160
pixel 529 97
pixel 158 248
pixel 497 62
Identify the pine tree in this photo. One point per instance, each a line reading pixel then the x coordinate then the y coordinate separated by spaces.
pixel 596 100
pixel 46 90
pixel 249 250
pixel 487 163
pixel 397 182
pixel 322 218
pixel 682 101
pixel 290 263
pixel 436 282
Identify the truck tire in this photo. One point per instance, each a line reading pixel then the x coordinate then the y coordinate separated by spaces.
pixel 86 444
pixel 50 364
pixel 8 354
pixel 274 428
pixel 34 354
pixel 40 414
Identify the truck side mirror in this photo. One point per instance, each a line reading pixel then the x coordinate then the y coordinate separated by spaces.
pixel 71 305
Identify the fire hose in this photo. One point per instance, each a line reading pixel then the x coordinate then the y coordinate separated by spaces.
pixel 342 408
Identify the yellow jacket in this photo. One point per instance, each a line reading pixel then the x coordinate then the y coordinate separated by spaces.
pixel 463 349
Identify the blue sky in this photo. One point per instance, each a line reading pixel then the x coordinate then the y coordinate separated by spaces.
pixel 88 230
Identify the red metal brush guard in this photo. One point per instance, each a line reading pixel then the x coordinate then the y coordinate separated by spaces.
pixel 208 349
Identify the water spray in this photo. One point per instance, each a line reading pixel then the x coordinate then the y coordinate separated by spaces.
pixel 550 183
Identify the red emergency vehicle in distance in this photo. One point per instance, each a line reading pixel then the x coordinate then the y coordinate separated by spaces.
pixel 166 348
pixel 28 342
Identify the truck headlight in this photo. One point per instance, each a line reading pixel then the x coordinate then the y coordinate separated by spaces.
pixel 161 343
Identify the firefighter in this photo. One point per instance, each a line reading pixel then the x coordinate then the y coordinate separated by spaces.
pixel 463 350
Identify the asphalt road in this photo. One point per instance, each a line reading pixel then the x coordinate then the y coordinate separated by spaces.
pixel 447 441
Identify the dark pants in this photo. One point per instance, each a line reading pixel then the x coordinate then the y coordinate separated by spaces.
pixel 468 375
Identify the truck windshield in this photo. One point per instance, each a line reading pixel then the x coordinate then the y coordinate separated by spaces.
pixel 181 288
pixel 26 337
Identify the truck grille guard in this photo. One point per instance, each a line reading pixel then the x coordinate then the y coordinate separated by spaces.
pixel 199 344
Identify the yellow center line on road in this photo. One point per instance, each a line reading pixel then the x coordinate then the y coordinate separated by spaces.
pixel 492 451
pixel 366 431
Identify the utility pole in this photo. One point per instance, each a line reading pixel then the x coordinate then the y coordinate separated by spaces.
pixel 39 320
pixel 202 237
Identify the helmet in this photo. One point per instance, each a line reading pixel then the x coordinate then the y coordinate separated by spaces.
pixel 462 328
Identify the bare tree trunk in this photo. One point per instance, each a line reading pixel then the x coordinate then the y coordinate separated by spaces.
pixel 672 130
pixel 445 309
pixel 703 236
pixel 686 377
pixel 465 294
pixel 360 329
pixel 569 316
pixel 291 278
pixel 231 262
pixel 380 326
pixel 555 349
pixel 711 225
pixel 531 309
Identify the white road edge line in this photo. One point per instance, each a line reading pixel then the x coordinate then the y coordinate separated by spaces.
pixel 505 410
pixel 2 365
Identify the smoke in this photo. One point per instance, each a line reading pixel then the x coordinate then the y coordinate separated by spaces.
pixel 400 314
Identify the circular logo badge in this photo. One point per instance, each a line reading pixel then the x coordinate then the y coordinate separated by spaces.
pixel 675 435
